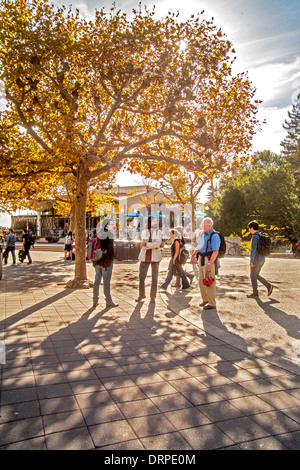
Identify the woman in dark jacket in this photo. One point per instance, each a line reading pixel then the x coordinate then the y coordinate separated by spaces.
pixel 104 266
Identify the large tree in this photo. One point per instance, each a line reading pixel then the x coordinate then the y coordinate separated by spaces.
pixel 84 96
pixel 178 185
pixel 264 190
pixel 291 143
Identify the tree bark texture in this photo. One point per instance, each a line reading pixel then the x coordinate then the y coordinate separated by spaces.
pixel 80 280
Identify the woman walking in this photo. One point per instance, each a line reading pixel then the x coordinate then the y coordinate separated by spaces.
pixel 175 267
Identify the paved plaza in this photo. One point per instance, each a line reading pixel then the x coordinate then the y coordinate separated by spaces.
pixel 143 376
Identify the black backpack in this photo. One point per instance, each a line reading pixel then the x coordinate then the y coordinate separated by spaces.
pixel 184 254
pixel 264 246
pixel 222 249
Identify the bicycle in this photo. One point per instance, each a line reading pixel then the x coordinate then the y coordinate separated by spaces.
pixel 234 249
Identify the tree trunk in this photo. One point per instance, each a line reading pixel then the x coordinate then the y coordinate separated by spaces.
pixel 80 281
pixel 193 203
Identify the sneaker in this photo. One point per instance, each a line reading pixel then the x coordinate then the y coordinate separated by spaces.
pixel 252 296
pixel 203 304
pixel 270 290
pixel 112 305
pixel 139 299
pixel 209 307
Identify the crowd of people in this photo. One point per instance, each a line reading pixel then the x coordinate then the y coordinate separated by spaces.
pixel 205 255
pixel 8 246
pixel 205 258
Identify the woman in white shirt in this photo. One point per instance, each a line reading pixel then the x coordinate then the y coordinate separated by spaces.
pixel 150 254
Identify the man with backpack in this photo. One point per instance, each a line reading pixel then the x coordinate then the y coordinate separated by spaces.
pixel 208 249
pixel 26 244
pixel 257 260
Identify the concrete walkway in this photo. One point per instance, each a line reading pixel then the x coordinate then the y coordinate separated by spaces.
pixel 163 376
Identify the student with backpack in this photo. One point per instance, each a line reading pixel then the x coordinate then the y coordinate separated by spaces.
pixel 102 255
pixel 209 243
pixel 26 244
pixel 260 244
pixel 175 265
pixel 68 245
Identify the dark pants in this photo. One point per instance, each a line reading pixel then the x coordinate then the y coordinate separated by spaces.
pixel 12 250
pixel 254 276
pixel 27 253
pixel 144 266
pixel 176 270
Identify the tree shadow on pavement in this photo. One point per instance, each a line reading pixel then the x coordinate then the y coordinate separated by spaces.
pixel 38 274
pixel 291 323
pixel 211 320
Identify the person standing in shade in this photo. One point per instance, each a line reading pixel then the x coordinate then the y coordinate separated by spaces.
pixel 150 255
pixel 207 250
pixel 26 245
pixel 104 267
pixel 256 262
pixel 10 246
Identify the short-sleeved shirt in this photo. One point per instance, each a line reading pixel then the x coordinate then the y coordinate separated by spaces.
pixel 205 245
pixel 27 243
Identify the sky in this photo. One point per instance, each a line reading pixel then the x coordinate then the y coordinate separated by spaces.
pixel 266 37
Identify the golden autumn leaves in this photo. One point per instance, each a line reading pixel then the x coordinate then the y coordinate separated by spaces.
pixel 86 97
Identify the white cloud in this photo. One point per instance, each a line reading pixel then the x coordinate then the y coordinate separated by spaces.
pixel 276 83
pixel 272 132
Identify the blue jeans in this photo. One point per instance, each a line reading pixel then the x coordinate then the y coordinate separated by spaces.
pixel 106 274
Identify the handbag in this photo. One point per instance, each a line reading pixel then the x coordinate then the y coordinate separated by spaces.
pixel 21 255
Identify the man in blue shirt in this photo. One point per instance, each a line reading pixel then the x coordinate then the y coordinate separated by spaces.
pixel 256 262
pixel 10 245
pixel 208 249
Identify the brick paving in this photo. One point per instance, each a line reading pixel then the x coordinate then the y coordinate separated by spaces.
pixel 142 376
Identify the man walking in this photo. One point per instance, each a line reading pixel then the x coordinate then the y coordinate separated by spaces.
pixel 208 250
pixel 10 246
pixel 26 245
pixel 256 262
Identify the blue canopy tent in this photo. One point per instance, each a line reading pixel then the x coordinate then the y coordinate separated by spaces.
pixel 155 215
pixel 133 214
pixel 200 215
